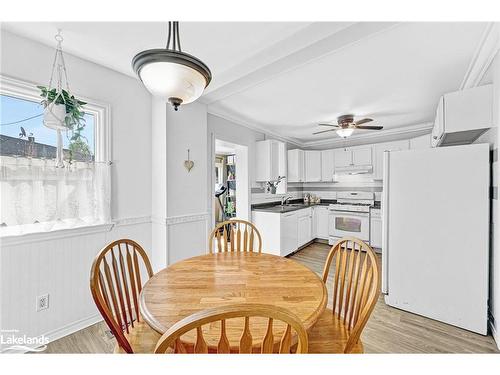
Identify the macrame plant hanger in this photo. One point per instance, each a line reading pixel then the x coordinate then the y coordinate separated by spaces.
pixel 55 114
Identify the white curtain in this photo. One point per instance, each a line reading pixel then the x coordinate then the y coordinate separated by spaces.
pixel 36 196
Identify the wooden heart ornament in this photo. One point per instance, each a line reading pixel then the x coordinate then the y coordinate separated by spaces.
pixel 188 164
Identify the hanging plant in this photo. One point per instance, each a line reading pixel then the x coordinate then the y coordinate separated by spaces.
pixel 62 110
pixel 65 109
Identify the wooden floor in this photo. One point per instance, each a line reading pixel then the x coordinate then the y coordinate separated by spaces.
pixel 389 330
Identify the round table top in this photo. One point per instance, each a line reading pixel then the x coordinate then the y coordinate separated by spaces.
pixel 218 279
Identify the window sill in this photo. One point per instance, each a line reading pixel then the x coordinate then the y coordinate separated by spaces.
pixel 12 240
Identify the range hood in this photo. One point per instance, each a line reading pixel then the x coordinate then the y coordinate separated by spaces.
pixel 354 169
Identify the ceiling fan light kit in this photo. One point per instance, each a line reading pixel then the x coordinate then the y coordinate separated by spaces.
pixel 170 73
pixel 344 133
pixel 346 125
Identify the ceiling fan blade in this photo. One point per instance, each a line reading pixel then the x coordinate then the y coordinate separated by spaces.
pixel 369 127
pixel 324 131
pixel 334 125
pixel 363 121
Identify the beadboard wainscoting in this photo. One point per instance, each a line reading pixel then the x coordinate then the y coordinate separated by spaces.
pixel 185 236
pixel 60 267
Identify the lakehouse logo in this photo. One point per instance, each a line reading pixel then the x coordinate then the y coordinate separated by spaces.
pixel 12 342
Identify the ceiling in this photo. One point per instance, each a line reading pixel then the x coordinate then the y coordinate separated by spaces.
pixel 285 77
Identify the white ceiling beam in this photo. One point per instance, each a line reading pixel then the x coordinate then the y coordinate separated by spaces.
pixel 306 36
pixel 240 78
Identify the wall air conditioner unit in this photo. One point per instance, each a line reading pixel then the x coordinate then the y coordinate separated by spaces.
pixel 354 169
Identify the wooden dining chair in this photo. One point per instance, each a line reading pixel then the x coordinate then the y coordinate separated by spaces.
pixel 292 327
pixel 356 286
pixel 235 235
pixel 115 283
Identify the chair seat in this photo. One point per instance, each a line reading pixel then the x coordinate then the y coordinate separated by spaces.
pixel 330 335
pixel 141 337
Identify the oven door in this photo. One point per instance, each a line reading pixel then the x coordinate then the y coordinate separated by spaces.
pixel 349 224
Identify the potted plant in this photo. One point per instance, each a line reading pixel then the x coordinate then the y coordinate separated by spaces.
pixel 62 110
pixel 65 112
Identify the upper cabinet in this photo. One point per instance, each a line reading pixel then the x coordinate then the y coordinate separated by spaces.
pixel 270 160
pixel 380 148
pixel 353 157
pixel 362 156
pixel 343 157
pixel 296 166
pixel 462 116
pixel 327 165
pixel 312 166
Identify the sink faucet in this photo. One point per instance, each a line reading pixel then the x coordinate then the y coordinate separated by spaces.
pixel 284 199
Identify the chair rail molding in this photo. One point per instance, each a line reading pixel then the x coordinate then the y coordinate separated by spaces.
pixel 188 218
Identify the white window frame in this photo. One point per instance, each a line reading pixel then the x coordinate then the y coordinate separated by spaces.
pixel 102 112
pixel 102 148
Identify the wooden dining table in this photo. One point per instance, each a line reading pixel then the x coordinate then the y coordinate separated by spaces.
pixel 226 278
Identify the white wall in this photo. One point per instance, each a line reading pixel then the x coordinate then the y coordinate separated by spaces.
pixel 159 184
pixel 180 207
pixel 61 266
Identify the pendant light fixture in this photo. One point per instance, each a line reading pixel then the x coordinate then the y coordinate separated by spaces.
pixel 170 73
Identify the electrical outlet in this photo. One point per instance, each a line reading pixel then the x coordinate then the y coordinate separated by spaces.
pixel 42 302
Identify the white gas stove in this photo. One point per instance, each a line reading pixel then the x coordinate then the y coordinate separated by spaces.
pixel 350 216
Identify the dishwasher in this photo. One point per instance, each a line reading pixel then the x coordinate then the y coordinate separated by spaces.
pixel 289 229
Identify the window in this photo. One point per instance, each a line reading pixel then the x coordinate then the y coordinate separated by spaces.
pixel 36 195
pixel 31 138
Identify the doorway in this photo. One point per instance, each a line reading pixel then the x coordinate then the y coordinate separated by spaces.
pixel 230 188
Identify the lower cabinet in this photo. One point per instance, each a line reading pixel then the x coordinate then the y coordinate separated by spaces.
pixel 284 233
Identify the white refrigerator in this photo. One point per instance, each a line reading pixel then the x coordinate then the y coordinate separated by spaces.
pixel 435 209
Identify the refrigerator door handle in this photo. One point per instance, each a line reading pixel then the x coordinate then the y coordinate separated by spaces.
pixel 385 225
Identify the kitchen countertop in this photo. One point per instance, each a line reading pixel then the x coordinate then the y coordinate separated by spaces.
pixel 294 205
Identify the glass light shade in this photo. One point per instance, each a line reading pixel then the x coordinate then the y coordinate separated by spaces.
pixel 172 80
pixel 344 132
pixel 172 75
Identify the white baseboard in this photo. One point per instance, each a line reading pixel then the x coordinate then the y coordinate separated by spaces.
pixel 495 334
pixel 73 327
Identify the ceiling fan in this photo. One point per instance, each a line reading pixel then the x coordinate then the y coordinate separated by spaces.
pixel 346 125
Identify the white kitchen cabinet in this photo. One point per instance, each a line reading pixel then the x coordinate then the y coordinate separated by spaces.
pixel 362 156
pixel 312 166
pixel 376 229
pixel 284 233
pixel 354 156
pixel 320 222
pixel 462 116
pixel 270 160
pixel 327 165
pixel 343 157
pixel 296 165
pixel 380 148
